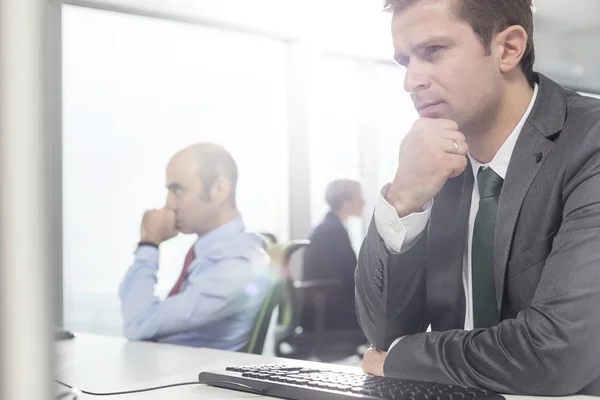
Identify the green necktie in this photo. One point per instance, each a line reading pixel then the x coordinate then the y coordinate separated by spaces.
pixel 485 313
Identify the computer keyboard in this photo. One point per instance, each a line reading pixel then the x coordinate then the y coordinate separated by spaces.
pixel 300 383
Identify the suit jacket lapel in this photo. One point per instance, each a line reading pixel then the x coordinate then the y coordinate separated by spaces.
pixel 532 147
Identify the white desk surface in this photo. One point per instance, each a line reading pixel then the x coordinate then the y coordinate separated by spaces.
pixel 107 364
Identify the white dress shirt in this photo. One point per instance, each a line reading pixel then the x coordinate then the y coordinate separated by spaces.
pixel 399 234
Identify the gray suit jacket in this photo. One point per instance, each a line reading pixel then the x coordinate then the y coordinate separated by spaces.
pixel 547 269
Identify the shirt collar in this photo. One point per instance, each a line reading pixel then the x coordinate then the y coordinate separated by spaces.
pixel 232 227
pixel 500 161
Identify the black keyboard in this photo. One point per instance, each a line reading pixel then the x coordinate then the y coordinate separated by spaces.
pixel 300 383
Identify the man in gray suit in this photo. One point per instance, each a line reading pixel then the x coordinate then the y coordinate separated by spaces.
pixel 490 230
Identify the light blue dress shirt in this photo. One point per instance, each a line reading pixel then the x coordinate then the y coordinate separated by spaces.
pixel 219 300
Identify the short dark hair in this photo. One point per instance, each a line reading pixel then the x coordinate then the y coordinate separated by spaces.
pixel 214 162
pixel 487 18
pixel 341 190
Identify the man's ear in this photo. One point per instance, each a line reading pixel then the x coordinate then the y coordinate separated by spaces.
pixel 511 45
pixel 220 190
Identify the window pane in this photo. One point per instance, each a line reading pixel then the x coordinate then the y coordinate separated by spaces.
pixel 362 114
pixel 335 136
pixel 136 90
pixel 394 116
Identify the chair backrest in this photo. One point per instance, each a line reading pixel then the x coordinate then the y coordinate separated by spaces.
pixel 271 238
pixel 289 310
pixel 293 259
pixel 295 264
pixel 261 325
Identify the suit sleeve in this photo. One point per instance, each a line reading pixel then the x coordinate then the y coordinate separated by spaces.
pixel 390 289
pixel 551 348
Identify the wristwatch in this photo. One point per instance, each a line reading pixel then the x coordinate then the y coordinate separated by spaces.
pixel 142 243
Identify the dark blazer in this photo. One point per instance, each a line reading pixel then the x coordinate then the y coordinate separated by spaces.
pixel 546 263
pixel 330 256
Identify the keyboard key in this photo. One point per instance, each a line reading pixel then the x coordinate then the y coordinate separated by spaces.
pixel 343 388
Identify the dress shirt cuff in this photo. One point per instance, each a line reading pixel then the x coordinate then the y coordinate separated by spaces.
pixel 399 234
pixel 147 255
pixel 395 342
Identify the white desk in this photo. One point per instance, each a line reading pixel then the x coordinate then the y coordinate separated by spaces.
pixel 107 364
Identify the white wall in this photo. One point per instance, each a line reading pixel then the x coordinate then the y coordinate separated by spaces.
pixel 572 58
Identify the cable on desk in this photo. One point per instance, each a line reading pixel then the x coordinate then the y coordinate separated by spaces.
pixel 76 390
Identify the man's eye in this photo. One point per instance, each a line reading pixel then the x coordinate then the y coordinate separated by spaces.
pixel 402 62
pixel 432 50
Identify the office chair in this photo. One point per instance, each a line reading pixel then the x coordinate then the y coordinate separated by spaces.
pixel 299 292
pixel 263 320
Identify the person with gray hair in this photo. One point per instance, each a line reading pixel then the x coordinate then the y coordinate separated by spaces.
pixel 330 254
pixel 225 276
pixel 344 198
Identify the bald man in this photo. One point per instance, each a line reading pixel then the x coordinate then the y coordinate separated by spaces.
pixel 224 279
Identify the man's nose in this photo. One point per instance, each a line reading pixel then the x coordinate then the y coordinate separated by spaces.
pixel 416 78
pixel 171 202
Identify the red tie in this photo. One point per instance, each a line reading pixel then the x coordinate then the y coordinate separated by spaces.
pixel 189 258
